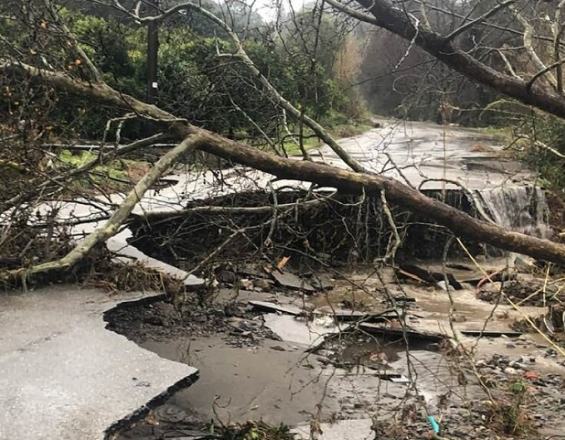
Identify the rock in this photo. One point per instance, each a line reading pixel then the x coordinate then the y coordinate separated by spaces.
pixel 226 276
pixel 516 365
pixel 291 281
pixel 322 282
pixel 457 317
pixel 263 284
pixel 489 291
pixel 246 284
pixel 510 371
pixel 550 352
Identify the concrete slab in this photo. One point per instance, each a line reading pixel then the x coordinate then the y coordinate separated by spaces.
pixel 272 307
pixel 128 253
pixel 300 332
pixel 64 376
pixel 340 430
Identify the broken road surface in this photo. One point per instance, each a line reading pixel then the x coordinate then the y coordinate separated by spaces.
pixel 64 376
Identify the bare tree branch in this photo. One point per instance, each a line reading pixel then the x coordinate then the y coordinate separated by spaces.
pixel 322 174
pixel 386 16
pixel 112 226
pixel 470 24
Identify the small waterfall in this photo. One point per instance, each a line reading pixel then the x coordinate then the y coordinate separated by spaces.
pixel 518 208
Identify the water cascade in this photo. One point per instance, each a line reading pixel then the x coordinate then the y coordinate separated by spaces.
pixel 518 208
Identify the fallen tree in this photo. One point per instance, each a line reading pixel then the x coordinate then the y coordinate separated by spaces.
pixel 458 222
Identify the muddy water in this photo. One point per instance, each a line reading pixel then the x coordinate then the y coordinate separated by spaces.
pixel 278 382
pixel 350 376
pixel 240 384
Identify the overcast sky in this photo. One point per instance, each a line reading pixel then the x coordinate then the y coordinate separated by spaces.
pixel 267 9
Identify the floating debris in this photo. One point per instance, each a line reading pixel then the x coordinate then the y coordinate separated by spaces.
pixel 401 333
pixel 491 333
pixel 291 281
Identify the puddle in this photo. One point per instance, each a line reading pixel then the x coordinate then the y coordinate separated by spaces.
pixel 240 384
pixel 380 352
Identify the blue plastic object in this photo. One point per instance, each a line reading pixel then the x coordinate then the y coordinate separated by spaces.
pixel 434 424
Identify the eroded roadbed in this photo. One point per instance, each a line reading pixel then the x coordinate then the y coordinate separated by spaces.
pixel 287 356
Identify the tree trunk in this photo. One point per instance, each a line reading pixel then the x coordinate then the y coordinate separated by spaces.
pixel 458 222
pixel 383 14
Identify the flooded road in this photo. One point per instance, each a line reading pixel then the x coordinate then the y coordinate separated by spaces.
pixel 420 152
pixel 313 370
pixel 324 372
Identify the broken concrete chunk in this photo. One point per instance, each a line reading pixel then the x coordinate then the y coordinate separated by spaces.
pixel 393 377
pixel 399 332
pixel 356 315
pixel 272 307
pixel 322 282
pixel 444 286
pixel 404 299
pixel 290 329
pixel 251 272
pixel 460 266
pixel 193 282
pixel 263 284
pixel 291 281
pixel 428 276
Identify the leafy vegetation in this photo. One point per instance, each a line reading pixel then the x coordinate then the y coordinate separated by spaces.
pixel 201 86
pixel 539 140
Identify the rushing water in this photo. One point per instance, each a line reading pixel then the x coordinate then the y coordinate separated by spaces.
pixel 518 208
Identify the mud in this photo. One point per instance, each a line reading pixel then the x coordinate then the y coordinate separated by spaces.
pixel 160 320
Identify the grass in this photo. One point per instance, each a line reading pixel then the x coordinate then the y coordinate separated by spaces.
pixel 310 143
pixel 337 130
pixel 501 134
pixel 113 176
